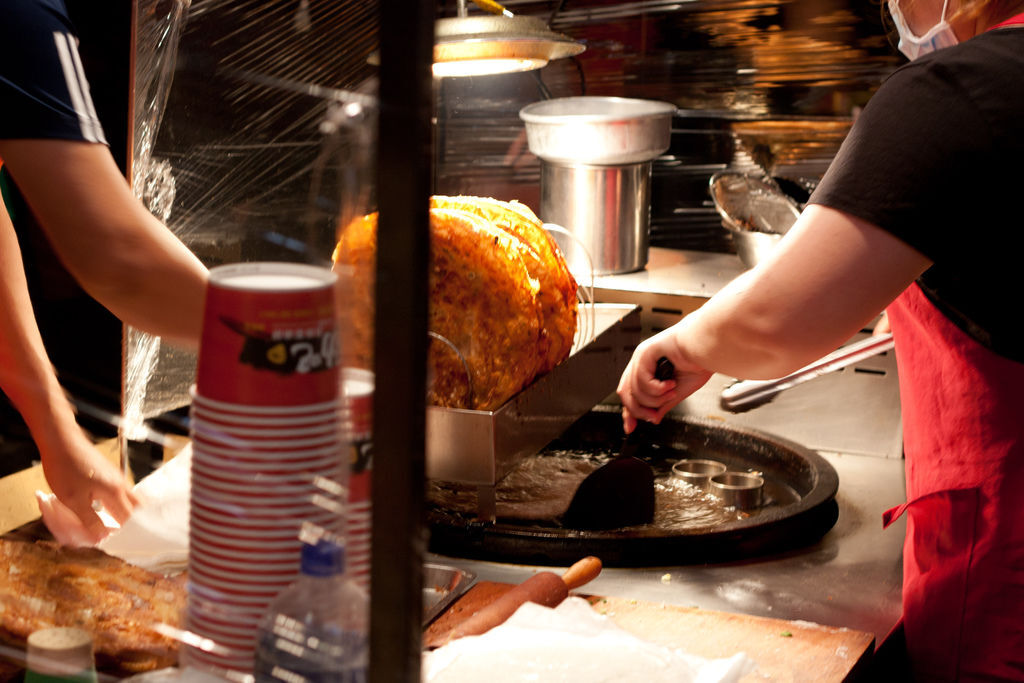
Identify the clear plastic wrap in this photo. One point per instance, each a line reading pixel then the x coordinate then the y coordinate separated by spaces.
pixel 252 140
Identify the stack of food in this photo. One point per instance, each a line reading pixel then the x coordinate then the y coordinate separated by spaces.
pixel 503 306
pixel 125 608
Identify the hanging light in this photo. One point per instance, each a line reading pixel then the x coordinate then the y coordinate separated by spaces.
pixel 495 43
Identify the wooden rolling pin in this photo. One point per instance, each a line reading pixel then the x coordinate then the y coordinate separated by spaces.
pixel 543 588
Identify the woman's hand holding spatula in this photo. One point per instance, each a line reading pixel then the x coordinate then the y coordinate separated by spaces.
pixel 645 393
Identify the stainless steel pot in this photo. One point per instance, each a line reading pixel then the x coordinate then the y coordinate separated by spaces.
pixel 607 211
pixel 596 155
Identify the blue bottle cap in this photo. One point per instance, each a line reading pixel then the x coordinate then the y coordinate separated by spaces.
pixel 325 558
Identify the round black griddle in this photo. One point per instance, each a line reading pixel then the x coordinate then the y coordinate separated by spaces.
pixel 799 508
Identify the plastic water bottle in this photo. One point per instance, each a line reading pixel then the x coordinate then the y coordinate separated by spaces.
pixel 316 630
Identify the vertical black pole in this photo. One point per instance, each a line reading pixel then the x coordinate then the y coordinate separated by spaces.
pixel 403 187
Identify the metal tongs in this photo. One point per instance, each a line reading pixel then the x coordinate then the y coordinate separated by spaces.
pixel 747 394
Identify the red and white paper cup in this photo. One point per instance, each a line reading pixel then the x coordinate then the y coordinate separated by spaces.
pixel 357 419
pixel 270 336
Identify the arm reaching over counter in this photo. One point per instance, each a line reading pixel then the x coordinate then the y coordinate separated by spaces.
pixel 58 176
pixel 114 247
pixel 126 259
pixel 75 470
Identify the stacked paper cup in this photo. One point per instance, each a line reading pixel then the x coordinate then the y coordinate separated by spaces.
pixel 269 452
pixel 357 419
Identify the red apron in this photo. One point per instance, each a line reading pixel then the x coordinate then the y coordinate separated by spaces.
pixel 963 557
pixel 1015 20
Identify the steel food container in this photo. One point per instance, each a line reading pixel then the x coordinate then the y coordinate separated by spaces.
pixel 607 211
pixel 596 155
pixel 598 130
pixel 755 211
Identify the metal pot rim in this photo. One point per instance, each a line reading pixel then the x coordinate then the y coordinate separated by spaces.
pixel 628 109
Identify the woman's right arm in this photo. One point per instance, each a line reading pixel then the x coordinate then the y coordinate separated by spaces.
pixel 829 276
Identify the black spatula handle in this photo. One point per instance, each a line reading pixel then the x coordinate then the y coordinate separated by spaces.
pixel 664 369
pixel 642 433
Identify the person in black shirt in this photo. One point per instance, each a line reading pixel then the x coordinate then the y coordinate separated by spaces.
pixel 918 214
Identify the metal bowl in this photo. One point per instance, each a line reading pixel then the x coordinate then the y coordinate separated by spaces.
pixel 603 131
pixel 754 211
pixel 751 246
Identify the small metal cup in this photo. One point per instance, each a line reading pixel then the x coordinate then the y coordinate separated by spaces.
pixel 697 472
pixel 741 490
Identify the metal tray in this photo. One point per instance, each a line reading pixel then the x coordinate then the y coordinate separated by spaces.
pixel 442 585
pixel 481 447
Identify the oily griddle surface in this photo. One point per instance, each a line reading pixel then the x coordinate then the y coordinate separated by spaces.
pixel 799 507
pixel 44 585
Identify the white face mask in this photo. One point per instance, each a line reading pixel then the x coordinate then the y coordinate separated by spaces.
pixel 939 36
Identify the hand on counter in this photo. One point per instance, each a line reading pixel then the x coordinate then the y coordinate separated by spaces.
pixel 84 483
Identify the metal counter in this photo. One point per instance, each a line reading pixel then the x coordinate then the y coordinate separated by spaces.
pixel 851 577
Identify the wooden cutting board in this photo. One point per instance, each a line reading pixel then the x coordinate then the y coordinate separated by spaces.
pixel 785 651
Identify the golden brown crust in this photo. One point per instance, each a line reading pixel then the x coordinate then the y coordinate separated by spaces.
pixel 44 585
pixel 483 301
pixel 356 269
pixel 499 292
pixel 545 263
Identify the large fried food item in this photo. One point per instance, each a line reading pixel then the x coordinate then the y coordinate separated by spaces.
pixel 545 263
pixel 355 263
pixel 44 585
pixel 484 308
pixel 484 302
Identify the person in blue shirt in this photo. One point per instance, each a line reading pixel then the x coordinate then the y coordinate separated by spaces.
pixel 55 161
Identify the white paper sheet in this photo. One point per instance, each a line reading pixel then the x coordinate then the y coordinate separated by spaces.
pixel 156 535
pixel 567 644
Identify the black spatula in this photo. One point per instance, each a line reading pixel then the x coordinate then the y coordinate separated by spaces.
pixel 619 493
